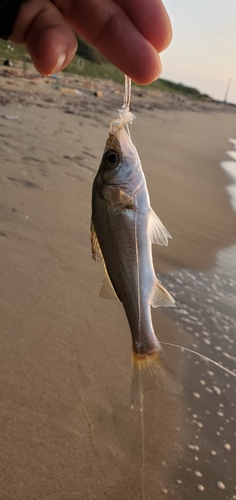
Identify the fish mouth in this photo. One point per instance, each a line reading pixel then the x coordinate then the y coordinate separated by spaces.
pixel 113 143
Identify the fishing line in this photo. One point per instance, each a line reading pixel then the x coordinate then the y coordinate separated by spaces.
pixel 142 431
pixel 139 372
pixel 126 101
pixel 127 95
pixel 125 108
pixel 227 370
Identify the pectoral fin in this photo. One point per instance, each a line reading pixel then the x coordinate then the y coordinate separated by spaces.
pixel 157 231
pixel 126 200
pixel 107 291
pixel 162 297
pixel 96 249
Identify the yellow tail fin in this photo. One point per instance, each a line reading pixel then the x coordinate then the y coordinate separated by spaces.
pixel 149 365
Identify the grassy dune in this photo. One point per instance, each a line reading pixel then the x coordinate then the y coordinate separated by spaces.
pixel 89 62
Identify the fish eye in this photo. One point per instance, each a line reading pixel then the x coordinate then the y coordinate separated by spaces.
pixel 111 158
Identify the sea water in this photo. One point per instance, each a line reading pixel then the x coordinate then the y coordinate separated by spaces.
pixel 230 168
pixel 206 309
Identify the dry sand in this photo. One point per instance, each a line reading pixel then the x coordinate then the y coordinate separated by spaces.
pixel 66 427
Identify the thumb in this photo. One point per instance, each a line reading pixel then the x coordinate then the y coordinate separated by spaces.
pixel 48 39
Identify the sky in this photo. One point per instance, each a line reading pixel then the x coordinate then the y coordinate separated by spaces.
pixel 202 53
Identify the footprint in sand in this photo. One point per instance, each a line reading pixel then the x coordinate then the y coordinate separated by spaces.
pixel 80 162
pixel 32 158
pixel 73 158
pixel 25 183
pixel 72 176
pixel 88 153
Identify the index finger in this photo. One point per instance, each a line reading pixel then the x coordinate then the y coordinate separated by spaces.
pixel 128 36
pixel 151 19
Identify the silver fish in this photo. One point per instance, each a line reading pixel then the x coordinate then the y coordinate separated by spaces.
pixel 123 228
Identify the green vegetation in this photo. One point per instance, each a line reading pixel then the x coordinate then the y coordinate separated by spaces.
pixel 87 68
pixel 87 51
pixel 15 53
pixel 88 62
pixel 167 85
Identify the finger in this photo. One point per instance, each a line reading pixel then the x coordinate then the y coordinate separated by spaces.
pixel 108 27
pixel 151 19
pixel 49 40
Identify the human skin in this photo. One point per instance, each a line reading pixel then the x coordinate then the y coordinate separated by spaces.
pixel 130 33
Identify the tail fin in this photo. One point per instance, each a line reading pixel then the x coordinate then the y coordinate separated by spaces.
pixel 145 367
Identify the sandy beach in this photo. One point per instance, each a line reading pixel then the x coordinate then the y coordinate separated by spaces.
pixel 67 429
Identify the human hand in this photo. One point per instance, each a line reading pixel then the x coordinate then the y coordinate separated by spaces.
pixel 130 33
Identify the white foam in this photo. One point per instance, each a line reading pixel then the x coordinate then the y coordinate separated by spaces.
pixel 233 141
pixel 230 168
pixel 231 154
pixel 200 487
pixel 198 473
pixel 231 190
pixel 221 485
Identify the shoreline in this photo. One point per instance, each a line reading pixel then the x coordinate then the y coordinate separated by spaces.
pixel 200 217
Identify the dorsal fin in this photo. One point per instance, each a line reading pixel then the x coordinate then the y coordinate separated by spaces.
pixel 107 291
pixel 157 232
pixel 96 249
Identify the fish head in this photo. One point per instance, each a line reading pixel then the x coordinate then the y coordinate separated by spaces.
pixel 111 165
pixel 120 173
pixel 120 160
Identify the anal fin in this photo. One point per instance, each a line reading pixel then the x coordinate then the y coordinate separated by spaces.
pixel 162 297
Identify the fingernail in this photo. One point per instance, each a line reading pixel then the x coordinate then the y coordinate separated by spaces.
pixel 159 71
pixel 60 61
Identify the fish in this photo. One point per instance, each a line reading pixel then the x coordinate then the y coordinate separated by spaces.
pixel 123 229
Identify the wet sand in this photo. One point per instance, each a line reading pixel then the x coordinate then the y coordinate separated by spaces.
pixel 67 430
